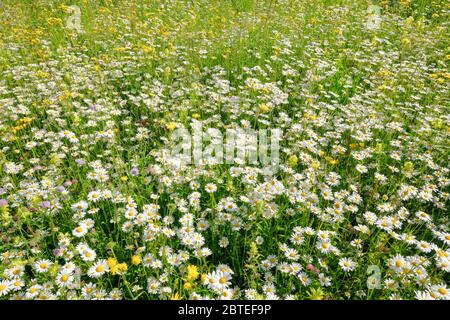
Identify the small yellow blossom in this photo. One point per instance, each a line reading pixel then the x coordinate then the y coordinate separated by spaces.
pixel 264 108
pixel 192 272
pixel 175 296
pixel 136 259
pixel 171 126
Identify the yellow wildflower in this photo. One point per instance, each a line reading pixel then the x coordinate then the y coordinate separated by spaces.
pixel 264 108
pixel 136 259
pixel 175 296
pixel 192 272
pixel 171 126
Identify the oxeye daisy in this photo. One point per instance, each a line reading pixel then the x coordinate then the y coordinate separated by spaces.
pixel 222 280
pixel 17 284
pixel 152 286
pixel 424 246
pixel 80 231
pixel 397 263
pixel 116 294
pixel 235 171
pixel 88 255
pixel 210 188
pixel 445 237
pixel 223 242
pixel 88 290
pixel 33 291
pixel 361 168
pixel 15 271
pixel 423 295
pixel 347 264
pixel 94 196
pixel 64 279
pixel 68 267
pixel 291 254
pixel 99 295
pixel 98 269
pixel 210 280
pixel 127 226
pixel 42 265
pixel 324 246
pixel 440 291
pixel 304 279
pixel 423 216
pixel 226 294
pixel 80 206
pixel 5 287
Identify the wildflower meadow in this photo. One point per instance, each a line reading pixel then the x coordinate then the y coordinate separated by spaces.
pixel 224 149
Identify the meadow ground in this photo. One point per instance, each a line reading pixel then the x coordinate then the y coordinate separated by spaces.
pixel 92 205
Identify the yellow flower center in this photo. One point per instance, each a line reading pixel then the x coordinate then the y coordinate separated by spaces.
pixel 100 268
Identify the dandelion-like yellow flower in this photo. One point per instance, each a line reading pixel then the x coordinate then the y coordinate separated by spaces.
pixel 175 296
pixel 192 272
pixel 119 268
pixel 136 259
pixel 112 262
pixel 187 286
pixel 406 41
pixel 292 160
pixel 171 126
pixel 264 108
